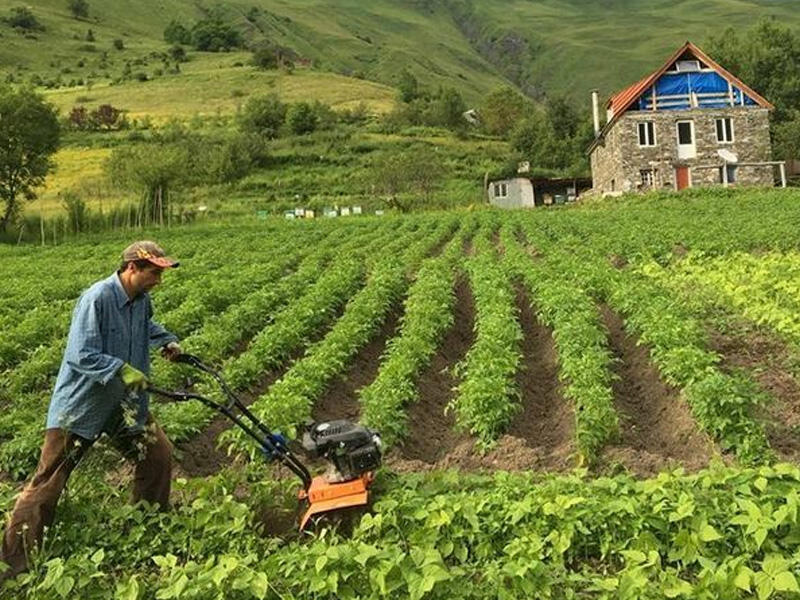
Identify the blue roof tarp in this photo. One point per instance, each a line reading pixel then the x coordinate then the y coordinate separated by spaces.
pixel 681 84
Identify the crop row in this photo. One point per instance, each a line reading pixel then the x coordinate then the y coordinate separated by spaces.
pixel 291 329
pixel 288 402
pixel 427 315
pixel 723 533
pixel 580 338
pixel 722 403
pixel 488 395
pixel 765 289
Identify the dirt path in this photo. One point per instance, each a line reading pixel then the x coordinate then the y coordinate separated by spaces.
pixel 547 419
pixel 767 361
pixel 657 428
pixel 340 400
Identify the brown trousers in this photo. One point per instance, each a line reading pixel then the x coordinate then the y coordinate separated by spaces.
pixel 61 453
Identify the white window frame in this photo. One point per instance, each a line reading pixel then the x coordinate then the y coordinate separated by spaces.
pixel 500 190
pixel 686 151
pixel 725 129
pixel 646 127
pixel 648 177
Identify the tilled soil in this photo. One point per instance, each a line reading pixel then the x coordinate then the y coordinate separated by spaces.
pixel 340 400
pixel 540 436
pixel 766 359
pixel 656 426
pixel 547 419
pixel 431 434
pixel 200 456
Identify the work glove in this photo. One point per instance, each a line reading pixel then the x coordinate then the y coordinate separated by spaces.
pixel 171 351
pixel 133 378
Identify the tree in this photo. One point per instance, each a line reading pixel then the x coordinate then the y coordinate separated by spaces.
pixel 176 33
pixel 214 35
pixel 263 115
pixel 767 58
pixel 407 178
pixel 29 135
pixel 449 109
pixel 154 170
pixel 78 8
pixel 408 86
pixel 501 110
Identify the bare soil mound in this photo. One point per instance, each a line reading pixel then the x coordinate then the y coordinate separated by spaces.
pixel 767 359
pixel 657 428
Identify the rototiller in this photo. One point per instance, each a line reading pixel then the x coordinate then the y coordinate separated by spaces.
pixel 353 452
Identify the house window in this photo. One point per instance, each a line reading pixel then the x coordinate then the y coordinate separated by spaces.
pixel 647 177
pixel 647 134
pixel 724 130
pixel 500 190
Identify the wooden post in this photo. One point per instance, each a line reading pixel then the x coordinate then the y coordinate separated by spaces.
pixel 724 173
pixel 782 167
pixel 41 228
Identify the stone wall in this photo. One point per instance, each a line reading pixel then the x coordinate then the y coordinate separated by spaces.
pixel 618 161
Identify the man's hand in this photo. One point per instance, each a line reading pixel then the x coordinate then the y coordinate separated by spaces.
pixel 133 378
pixel 171 351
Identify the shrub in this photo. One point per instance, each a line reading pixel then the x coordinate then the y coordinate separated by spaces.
pixel 78 8
pixel 23 18
pixel 177 53
pixel 263 115
pixel 302 118
pixel 265 57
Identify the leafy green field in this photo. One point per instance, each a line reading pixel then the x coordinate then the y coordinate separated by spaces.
pixel 577 402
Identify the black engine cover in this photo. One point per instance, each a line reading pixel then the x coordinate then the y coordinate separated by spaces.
pixel 353 449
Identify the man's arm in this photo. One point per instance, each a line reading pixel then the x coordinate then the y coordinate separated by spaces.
pixel 84 351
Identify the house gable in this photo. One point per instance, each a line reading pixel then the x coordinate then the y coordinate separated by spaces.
pixel 688 79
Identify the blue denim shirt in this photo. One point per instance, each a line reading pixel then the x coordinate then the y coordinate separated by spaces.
pixel 107 330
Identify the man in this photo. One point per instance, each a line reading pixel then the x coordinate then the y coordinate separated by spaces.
pixel 101 389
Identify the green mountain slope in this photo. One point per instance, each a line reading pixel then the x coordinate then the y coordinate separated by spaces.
pixel 475 45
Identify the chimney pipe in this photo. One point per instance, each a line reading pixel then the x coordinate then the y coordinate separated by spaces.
pixel 595 113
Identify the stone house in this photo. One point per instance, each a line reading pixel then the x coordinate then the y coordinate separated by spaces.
pixel 690 123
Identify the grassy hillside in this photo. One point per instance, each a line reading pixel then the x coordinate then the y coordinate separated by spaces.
pixel 214 85
pixel 552 45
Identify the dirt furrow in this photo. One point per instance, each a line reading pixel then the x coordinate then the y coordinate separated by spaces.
pixel 431 432
pixel 547 419
pixel 340 400
pixel 657 428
